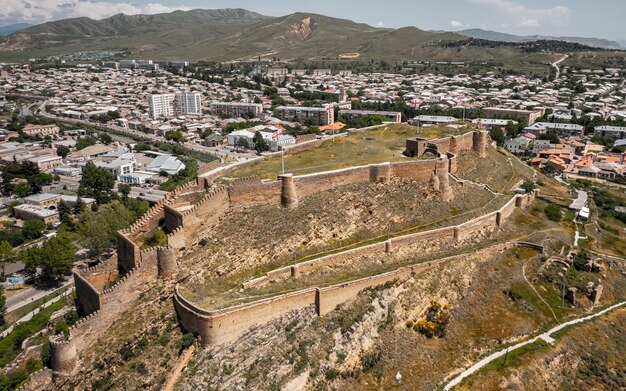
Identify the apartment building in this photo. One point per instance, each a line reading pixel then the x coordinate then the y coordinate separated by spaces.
pixel 313 115
pixel 393 116
pixel 233 110
pixel 502 113
pixel 612 132
pixel 169 105
pixel 41 131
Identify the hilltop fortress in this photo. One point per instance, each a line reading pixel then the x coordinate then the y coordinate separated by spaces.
pixel 107 290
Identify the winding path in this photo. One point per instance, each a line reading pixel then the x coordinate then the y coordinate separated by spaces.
pixel 545 336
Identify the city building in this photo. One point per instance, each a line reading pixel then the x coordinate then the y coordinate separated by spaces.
pixel 169 105
pixel 561 129
pixel 234 110
pixel 433 119
pixel 41 131
pixel 306 115
pixel 392 116
pixel 48 215
pixel 529 116
pixel 612 132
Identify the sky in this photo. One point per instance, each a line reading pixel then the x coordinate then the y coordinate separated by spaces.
pixel 589 18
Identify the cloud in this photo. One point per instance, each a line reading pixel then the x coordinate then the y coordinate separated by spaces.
pixel 38 11
pixel 458 25
pixel 529 17
pixel 380 24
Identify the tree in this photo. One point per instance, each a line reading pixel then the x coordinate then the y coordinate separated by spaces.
pixel 260 145
pixel 32 229
pixel 63 151
pixel 79 206
pixel 55 257
pixel 124 189
pixel 497 135
pixel 105 138
pixel 6 254
pixel 96 183
pixel 98 230
pixel 21 190
pixel 3 308
pixel 528 186
pixel 84 142
pixel 65 214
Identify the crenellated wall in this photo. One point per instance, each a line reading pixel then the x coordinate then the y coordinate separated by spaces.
pixel 252 191
pixel 221 326
pixel 128 254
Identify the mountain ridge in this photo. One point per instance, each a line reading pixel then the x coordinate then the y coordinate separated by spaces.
pixel 505 37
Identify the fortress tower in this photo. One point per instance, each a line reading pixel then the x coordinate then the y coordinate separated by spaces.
pixel 479 142
pixel 166 261
pixel 288 193
pixel 63 355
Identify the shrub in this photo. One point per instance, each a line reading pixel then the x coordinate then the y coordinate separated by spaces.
pixel 203 242
pixel 186 341
pixel 331 374
pixel 552 212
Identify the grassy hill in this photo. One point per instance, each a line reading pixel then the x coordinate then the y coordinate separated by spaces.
pixel 237 34
pixel 497 36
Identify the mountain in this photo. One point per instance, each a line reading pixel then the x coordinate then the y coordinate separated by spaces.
pixel 503 37
pixel 133 32
pixel 10 29
pixel 227 34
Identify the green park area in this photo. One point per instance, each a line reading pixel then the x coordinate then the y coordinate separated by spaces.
pixel 380 145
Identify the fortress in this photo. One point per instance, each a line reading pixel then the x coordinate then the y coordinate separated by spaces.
pixel 105 291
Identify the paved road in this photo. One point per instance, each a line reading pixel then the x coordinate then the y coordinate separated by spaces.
pixel 29 295
pixel 30 315
pixel 545 336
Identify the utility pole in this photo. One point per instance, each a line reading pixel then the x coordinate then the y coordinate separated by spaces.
pixel 282 159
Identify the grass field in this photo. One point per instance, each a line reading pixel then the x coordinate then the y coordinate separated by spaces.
pixel 360 148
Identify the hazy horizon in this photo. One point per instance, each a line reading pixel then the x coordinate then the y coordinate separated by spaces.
pixel 531 17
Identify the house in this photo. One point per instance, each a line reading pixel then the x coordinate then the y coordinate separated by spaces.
pixel 518 145
pixel 49 214
pixel 168 163
pixel 433 119
pixel 612 132
pixel 41 131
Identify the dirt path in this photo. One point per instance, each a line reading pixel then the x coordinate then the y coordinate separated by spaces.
pixel 537 293
pixel 171 382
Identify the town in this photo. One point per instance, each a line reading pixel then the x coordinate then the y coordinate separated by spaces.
pixel 89 150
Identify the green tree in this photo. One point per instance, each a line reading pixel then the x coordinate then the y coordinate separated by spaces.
pixel 528 186
pixel 96 183
pixel 84 142
pixel 79 205
pixel 65 214
pixel 175 135
pixel 124 189
pixel 6 254
pixel 497 135
pixel 32 229
pixel 57 255
pixel 105 138
pixel 260 145
pixel 3 307
pixel 21 190
pixel 63 151
pixel 98 230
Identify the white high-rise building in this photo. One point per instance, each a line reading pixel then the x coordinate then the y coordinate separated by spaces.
pixel 161 105
pixel 169 105
pixel 189 103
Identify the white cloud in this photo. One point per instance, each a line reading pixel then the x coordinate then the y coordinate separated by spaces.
pixel 380 24
pixel 458 25
pixel 524 16
pixel 38 11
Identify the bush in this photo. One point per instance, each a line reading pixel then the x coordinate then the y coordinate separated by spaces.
pixel 186 341
pixel 553 212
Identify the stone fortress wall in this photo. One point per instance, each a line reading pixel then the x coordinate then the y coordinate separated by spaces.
pixel 133 271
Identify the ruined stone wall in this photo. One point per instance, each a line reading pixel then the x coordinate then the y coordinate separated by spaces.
pixel 305 137
pixel 177 238
pixel 203 169
pixel 441 233
pixel 252 191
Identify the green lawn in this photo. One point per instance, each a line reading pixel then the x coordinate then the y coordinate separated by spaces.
pixel 360 148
